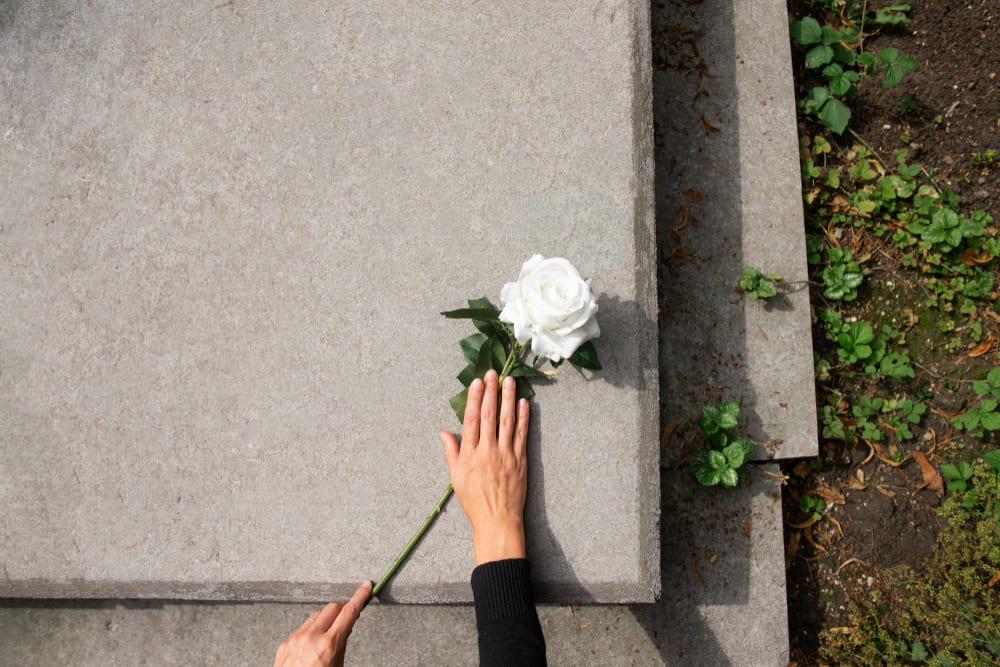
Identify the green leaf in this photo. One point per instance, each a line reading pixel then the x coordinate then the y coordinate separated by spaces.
pixel 524 389
pixel 908 63
pixel 524 371
pixel 585 356
pixel 993 458
pixel 993 377
pixel 806 31
pixel 891 76
pixel 717 460
pixel 485 314
pixel 990 421
pixel 470 346
pixel 950 471
pixel 835 116
pixel 819 56
pixel 728 413
pixel 888 55
pixel 734 454
pixel 987 405
pixel 729 478
pixel 485 361
pixel 467 375
pixel 966 469
pixel 981 387
pixel 707 475
pixel 458 402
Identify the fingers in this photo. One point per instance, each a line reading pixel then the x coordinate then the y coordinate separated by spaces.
pixel 488 410
pixel 451 450
pixel 507 408
pixel 344 622
pixel 470 424
pixel 521 430
pixel 324 619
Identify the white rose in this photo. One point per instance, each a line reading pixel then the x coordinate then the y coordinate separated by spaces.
pixel 551 305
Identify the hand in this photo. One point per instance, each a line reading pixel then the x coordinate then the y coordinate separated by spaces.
pixel 490 470
pixel 321 640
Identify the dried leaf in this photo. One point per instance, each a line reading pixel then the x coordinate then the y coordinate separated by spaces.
pixel 693 196
pixel 667 432
pixel 802 469
pixel 974 257
pixel 911 317
pixel 682 254
pixel 994 580
pixel 932 478
pixel 947 415
pixel 830 496
pixel 983 347
pixel 708 126
pixel 792 549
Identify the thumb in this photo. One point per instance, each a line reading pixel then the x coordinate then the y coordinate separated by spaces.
pixel 451 449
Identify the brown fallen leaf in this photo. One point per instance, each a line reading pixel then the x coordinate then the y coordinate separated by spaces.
pixel 974 257
pixel 983 347
pixel 792 549
pixel 667 432
pixel 932 478
pixel 693 196
pixel 830 496
pixel 994 580
pixel 682 254
pixel 948 415
pixel 802 469
pixel 708 126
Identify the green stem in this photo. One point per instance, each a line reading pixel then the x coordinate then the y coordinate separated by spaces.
pixel 412 543
pixel 512 359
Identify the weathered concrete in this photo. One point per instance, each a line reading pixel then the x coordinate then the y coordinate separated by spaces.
pixel 723 604
pixel 740 592
pixel 728 194
pixel 227 233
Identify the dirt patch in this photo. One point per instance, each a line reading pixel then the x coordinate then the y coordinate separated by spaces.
pixel 879 514
pixel 956 91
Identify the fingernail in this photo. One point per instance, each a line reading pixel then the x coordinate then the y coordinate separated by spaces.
pixel 508 382
pixel 476 384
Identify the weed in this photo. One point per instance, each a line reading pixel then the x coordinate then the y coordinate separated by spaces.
pixel 833 50
pixel 722 459
pixel 812 507
pixel 759 285
pixel 842 277
pixel 981 158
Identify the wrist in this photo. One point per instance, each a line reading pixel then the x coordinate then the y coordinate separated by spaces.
pixel 499 542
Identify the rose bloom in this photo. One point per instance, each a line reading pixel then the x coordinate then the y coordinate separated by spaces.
pixel 551 305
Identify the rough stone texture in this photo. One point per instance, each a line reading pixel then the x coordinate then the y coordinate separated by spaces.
pixel 728 194
pixel 723 568
pixel 226 234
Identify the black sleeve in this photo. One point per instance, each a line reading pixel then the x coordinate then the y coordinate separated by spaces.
pixel 509 632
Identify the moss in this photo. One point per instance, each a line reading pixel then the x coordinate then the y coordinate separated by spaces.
pixel 949 606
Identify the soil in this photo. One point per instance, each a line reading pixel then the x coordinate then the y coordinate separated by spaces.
pixel 880 513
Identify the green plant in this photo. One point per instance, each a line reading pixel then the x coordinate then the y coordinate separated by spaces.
pixel 855 343
pixel 985 413
pixel 842 277
pixel 980 158
pixel 957 475
pixel 812 507
pixel 759 285
pixel 722 460
pixel 833 49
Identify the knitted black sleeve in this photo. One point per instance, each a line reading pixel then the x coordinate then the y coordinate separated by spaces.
pixel 509 632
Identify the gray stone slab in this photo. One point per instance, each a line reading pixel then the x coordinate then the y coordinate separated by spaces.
pixel 226 234
pixel 728 194
pixel 723 568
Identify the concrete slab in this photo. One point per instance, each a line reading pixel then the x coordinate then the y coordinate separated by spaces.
pixel 728 194
pixel 227 231
pixel 723 568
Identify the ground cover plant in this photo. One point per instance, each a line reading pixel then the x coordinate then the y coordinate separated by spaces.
pixel 893 532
